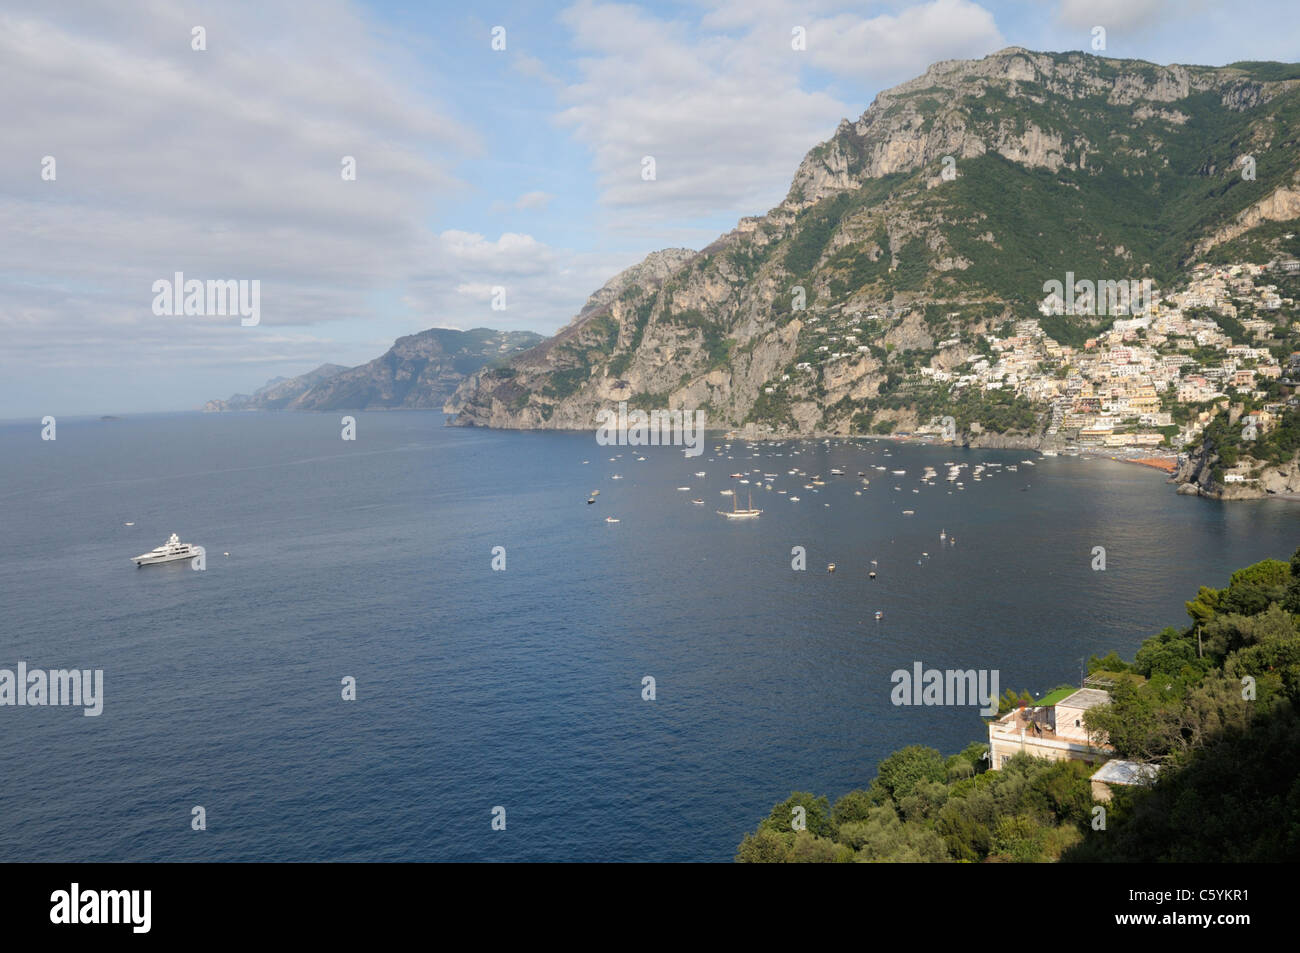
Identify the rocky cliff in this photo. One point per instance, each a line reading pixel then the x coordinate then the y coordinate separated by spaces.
pixel 1227 465
pixel 931 221
pixel 420 371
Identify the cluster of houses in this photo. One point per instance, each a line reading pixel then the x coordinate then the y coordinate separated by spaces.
pixel 1120 388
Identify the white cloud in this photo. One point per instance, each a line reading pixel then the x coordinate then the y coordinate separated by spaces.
pixel 534 68
pixel 533 200
pixel 1114 14
pixel 719 102
pixel 541 282
pixel 725 121
pixel 222 163
pixel 226 163
pixel 891 48
pixel 528 202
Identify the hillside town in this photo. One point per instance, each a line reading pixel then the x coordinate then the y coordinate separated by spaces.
pixel 1153 378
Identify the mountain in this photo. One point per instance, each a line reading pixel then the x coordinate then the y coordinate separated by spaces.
pixel 420 371
pixel 557 367
pixel 278 392
pixel 916 232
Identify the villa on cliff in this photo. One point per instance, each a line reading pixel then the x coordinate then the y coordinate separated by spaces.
pixel 1057 732
pixel 1054 731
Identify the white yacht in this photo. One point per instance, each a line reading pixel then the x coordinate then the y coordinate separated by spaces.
pixel 169 551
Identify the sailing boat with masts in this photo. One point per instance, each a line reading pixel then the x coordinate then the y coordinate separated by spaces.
pixel 745 514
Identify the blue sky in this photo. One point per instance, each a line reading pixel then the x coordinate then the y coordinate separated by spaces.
pixel 476 167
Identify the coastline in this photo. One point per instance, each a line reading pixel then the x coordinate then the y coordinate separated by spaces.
pixel 1166 463
pixel 1163 464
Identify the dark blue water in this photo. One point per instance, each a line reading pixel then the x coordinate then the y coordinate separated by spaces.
pixel 522 688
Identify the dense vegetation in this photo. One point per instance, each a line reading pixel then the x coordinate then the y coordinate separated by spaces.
pixel 1228 440
pixel 1214 704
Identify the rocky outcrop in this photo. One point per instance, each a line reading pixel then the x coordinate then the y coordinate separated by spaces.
pixel 1281 205
pixel 650 272
pixel 1196 477
pixel 1002 441
pixel 1200 472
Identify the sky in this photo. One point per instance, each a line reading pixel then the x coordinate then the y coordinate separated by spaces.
pixel 494 145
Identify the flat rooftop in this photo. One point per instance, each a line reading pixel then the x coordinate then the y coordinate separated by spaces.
pixel 1126 772
pixel 1085 698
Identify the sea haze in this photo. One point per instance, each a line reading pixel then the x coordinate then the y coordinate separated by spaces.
pixel 523 688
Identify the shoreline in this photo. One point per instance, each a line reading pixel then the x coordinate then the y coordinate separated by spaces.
pixel 1162 464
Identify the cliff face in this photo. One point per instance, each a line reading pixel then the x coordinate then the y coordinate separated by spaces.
pixel 1196 476
pixel 1204 470
pixel 932 220
pixel 419 371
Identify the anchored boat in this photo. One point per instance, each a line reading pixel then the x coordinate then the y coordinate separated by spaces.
pixel 168 552
pixel 746 514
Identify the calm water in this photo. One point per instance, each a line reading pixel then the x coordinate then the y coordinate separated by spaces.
pixel 523 688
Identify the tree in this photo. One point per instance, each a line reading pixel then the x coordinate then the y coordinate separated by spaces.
pixel 1166 653
pixel 853 806
pixel 816 814
pixel 1205 605
pixel 1020 839
pixel 902 771
pixel 764 846
pixel 1253 588
pixel 1293 587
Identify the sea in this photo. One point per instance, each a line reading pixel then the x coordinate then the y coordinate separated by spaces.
pixel 425 644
